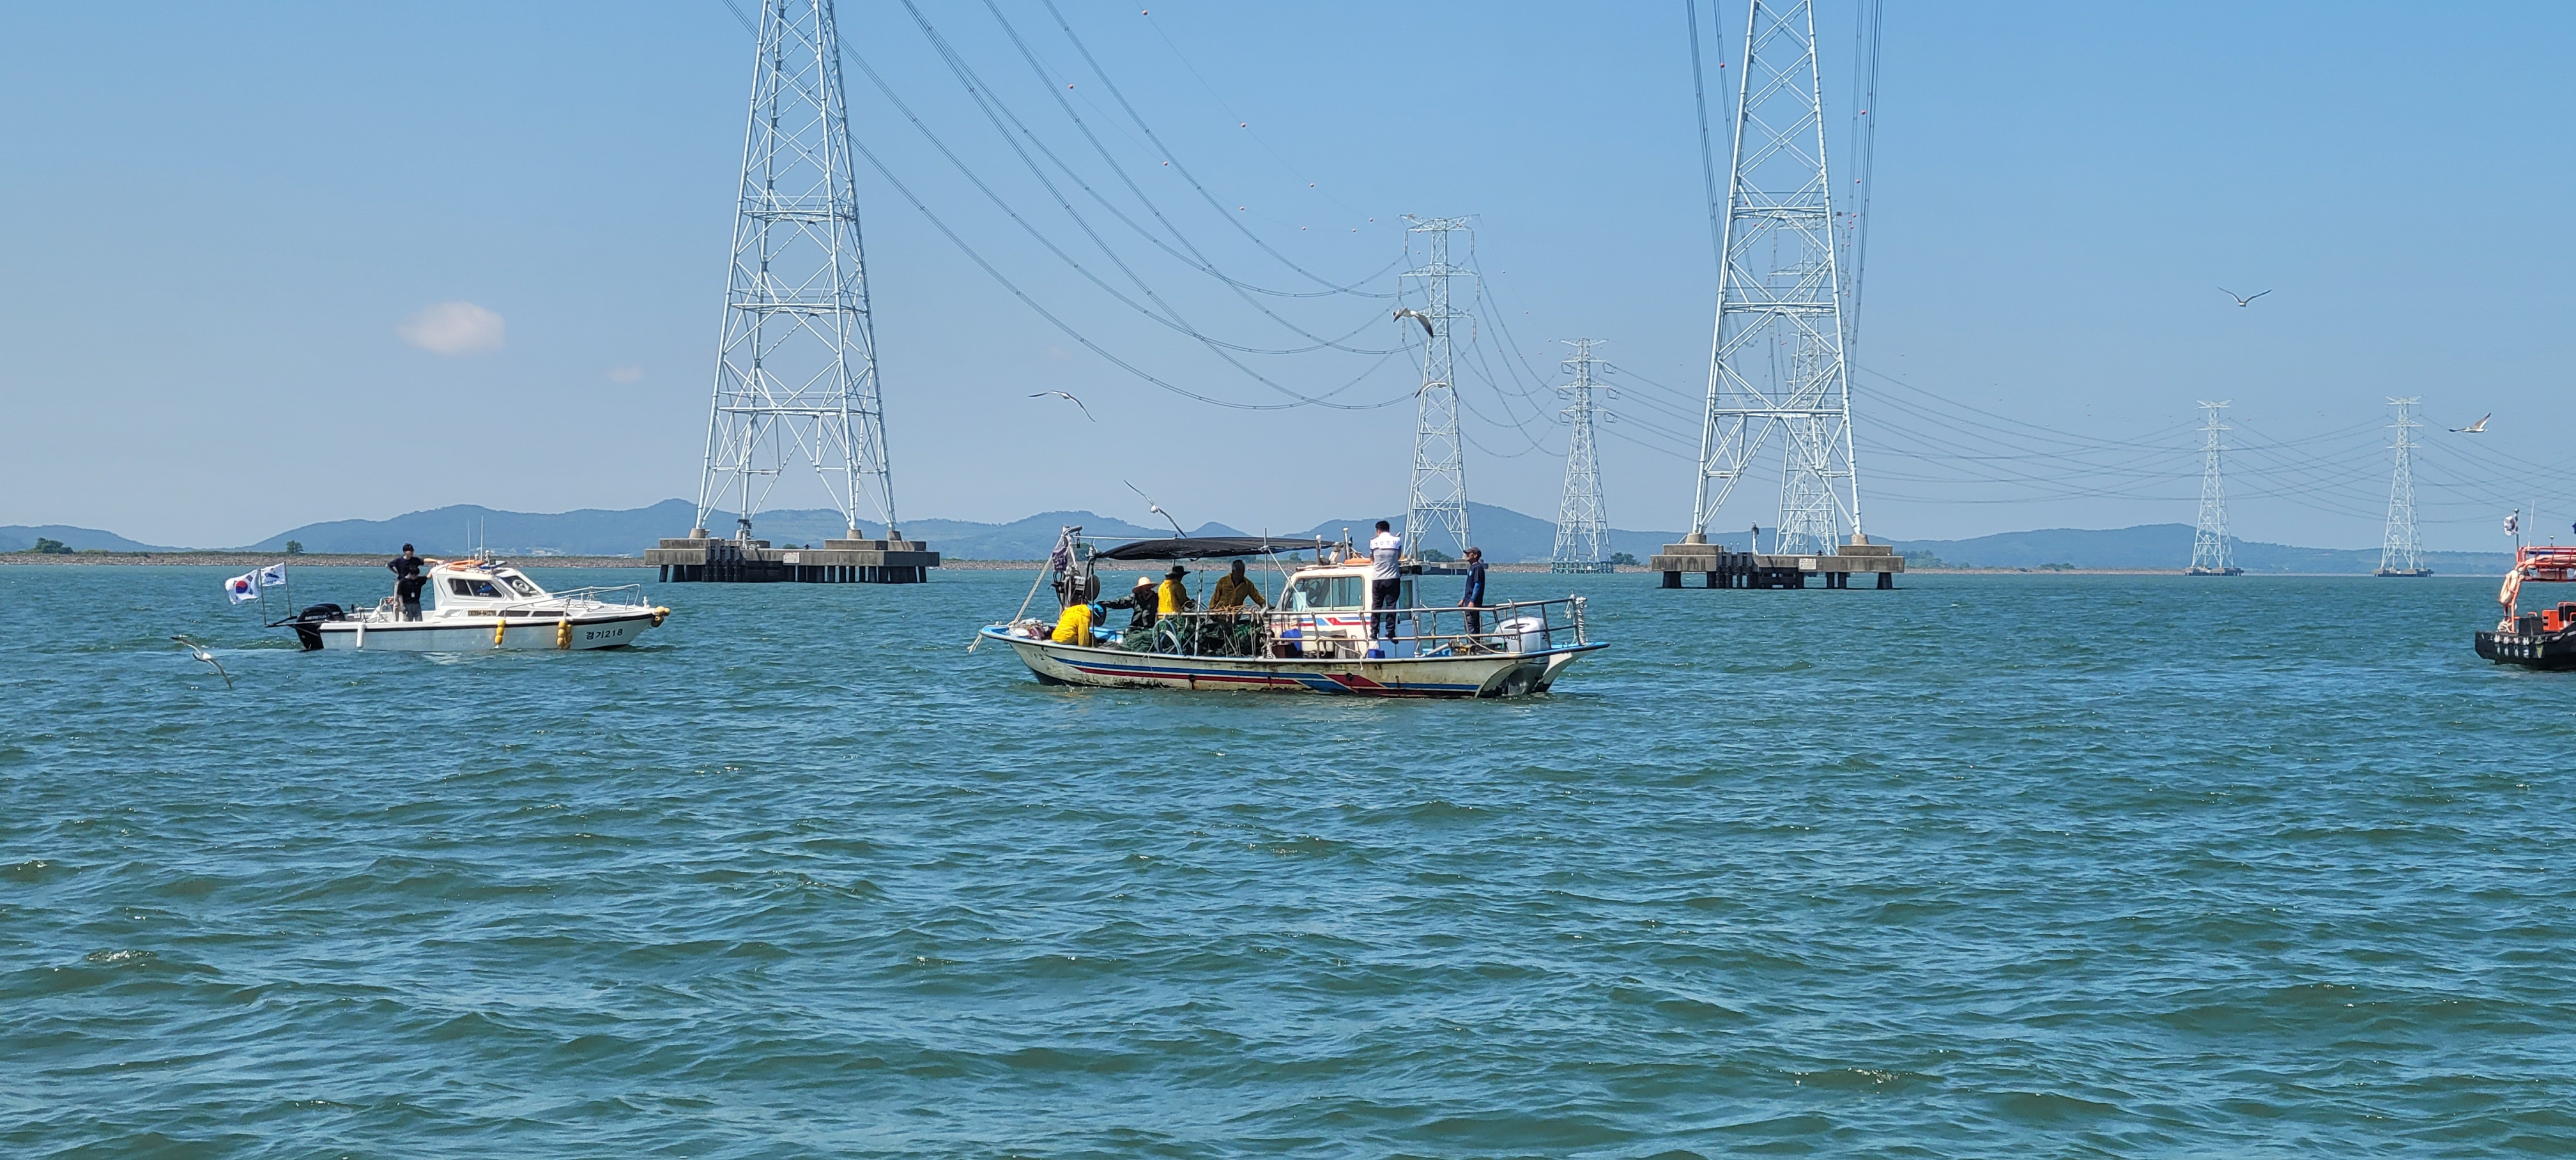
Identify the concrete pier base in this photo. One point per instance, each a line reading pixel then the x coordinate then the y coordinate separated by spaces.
pixel 702 560
pixel 1726 569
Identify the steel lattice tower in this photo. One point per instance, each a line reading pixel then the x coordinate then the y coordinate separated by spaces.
pixel 1776 355
pixel 796 368
pixel 1436 511
pixel 2211 552
pixel 2401 551
pixel 1582 529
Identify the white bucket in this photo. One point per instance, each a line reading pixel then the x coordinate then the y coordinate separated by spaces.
pixel 1522 634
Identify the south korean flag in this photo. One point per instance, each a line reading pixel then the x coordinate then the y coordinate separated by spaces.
pixel 243 588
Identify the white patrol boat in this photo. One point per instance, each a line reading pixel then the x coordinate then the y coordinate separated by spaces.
pixel 483 605
pixel 1320 633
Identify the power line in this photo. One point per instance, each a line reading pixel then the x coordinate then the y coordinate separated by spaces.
pixel 1194 258
pixel 1177 166
pixel 879 165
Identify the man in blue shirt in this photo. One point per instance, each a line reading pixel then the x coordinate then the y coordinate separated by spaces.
pixel 1475 594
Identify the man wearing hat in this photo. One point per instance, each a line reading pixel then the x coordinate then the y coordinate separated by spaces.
pixel 1175 592
pixel 1141 598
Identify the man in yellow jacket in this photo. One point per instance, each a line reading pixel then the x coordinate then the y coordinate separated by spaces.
pixel 1235 591
pixel 1074 627
pixel 1175 592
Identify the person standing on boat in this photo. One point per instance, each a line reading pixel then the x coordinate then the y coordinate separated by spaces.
pixel 407 581
pixel 1234 591
pixel 1386 583
pixel 1474 597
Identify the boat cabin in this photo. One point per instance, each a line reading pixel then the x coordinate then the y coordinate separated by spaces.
pixel 474 588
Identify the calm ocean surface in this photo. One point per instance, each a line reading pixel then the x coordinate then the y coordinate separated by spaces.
pixel 2029 865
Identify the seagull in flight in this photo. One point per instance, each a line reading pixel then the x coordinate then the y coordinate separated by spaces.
pixel 2477 428
pixel 2247 300
pixel 202 653
pixel 1157 509
pixel 1086 411
pixel 1417 316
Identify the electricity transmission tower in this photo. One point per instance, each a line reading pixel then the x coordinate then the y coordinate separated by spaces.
pixel 1582 530
pixel 1776 360
pixel 2211 554
pixel 796 368
pixel 2401 551
pixel 1436 513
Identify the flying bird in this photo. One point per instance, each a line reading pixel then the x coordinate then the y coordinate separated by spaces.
pixel 1417 316
pixel 2247 300
pixel 1086 411
pixel 202 653
pixel 1157 509
pixel 2477 428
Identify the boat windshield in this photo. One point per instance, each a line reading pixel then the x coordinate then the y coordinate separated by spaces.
pixel 520 584
pixel 476 587
pixel 1318 592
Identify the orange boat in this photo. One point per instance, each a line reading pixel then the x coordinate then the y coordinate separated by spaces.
pixel 2540 640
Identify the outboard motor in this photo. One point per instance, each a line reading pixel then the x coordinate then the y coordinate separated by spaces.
pixel 305 632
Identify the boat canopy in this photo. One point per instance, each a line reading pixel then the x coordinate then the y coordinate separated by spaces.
pixel 1206 548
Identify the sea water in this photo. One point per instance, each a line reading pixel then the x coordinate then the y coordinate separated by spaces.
pixel 2026 865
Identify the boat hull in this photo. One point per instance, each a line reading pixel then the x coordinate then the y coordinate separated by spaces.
pixel 1477 675
pixel 428 635
pixel 2546 650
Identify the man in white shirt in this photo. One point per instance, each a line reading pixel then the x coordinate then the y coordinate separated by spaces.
pixel 1386 584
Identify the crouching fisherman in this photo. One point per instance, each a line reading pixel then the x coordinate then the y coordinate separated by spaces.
pixel 1141 601
pixel 1074 626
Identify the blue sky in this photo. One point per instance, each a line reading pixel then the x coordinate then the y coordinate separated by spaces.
pixel 219 218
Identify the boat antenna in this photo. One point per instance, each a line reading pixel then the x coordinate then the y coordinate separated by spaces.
pixel 1272 554
pixel 1157 509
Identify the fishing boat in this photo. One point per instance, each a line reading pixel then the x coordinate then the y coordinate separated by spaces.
pixel 2539 640
pixel 1319 633
pixel 481 605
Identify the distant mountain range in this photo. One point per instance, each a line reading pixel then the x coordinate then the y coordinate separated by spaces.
pixel 2169 546
pixel 20 537
pixel 1505 535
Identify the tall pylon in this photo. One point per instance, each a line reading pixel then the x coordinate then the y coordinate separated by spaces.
pixel 1435 515
pixel 796 366
pixel 2401 550
pixel 1776 356
pixel 2212 554
pixel 1582 529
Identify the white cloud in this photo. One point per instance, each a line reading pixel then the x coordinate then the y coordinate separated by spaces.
pixel 454 328
pixel 625 374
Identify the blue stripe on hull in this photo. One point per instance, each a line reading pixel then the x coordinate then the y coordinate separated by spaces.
pixel 1111 667
pixel 1317 682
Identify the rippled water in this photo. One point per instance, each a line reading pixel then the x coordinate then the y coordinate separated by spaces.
pixel 2045 865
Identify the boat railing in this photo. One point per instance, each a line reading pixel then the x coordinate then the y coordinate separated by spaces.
pixel 614 594
pixel 1350 633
